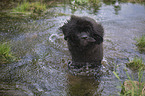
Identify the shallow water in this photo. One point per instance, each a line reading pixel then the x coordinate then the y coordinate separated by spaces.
pixel 42 69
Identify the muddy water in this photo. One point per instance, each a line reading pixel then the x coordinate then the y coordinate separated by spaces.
pixel 42 68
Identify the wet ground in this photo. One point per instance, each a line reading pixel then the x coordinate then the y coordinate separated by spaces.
pixel 42 69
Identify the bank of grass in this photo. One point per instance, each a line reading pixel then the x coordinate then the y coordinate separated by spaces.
pixel 136 64
pixel 6 55
pixel 30 8
pixel 141 43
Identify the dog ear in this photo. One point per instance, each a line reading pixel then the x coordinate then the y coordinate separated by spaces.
pixel 98 38
pixel 98 33
pixel 64 30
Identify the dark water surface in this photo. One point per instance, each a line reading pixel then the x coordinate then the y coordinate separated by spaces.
pixel 42 69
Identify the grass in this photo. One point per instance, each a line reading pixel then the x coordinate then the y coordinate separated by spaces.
pixel 134 88
pixel 141 42
pixel 6 55
pixel 131 87
pixel 135 64
pixel 26 7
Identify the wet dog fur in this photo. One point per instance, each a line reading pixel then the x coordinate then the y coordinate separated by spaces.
pixel 84 37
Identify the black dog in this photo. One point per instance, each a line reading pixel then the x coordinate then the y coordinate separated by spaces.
pixel 84 37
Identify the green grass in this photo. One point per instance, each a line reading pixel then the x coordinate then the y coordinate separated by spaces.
pixel 26 7
pixel 135 64
pixel 134 88
pixel 82 1
pixel 131 87
pixel 6 55
pixel 141 42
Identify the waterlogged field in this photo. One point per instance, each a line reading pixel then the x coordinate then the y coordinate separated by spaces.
pixel 41 69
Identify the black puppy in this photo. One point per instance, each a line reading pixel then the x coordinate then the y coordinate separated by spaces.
pixel 84 37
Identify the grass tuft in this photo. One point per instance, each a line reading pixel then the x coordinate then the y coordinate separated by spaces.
pixel 6 55
pixel 131 87
pixel 141 42
pixel 26 7
pixel 136 64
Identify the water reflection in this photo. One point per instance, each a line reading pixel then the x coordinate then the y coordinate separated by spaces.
pixel 83 86
pixel 117 7
pixel 93 6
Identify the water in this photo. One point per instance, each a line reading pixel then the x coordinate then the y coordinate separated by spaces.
pixel 42 69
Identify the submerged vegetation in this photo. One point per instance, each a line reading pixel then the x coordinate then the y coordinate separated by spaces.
pixel 6 55
pixel 136 64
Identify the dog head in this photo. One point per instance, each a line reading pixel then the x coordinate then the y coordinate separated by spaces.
pixel 82 31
